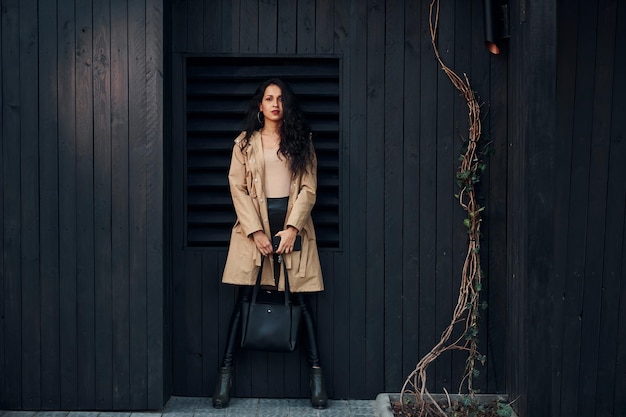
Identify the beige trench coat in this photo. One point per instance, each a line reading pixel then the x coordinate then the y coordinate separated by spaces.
pixel 246 187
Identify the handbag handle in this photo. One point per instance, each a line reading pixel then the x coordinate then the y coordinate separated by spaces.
pixel 257 284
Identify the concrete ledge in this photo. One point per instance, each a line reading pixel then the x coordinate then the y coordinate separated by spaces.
pixel 383 401
pixel 383 404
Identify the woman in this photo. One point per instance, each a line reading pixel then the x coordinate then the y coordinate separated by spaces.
pixel 273 182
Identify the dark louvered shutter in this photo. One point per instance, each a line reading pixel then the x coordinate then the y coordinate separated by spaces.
pixel 218 90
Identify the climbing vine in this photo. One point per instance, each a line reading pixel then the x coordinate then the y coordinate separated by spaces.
pixel 467 310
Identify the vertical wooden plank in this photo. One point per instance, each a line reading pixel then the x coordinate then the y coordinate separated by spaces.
pixel 178 18
pixel 249 26
pixel 609 350
pixel 85 285
pixel 210 326
pixel 463 65
pixel 366 300
pixel 230 12
pixel 612 367
pixel 287 23
pixel 595 268
pixel 324 25
pixel 226 294
pixel 393 183
pixel 177 198
pixel 155 291
pixel 325 321
pixel 428 331
pixel 29 176
pixel 49 205
pixel 67 203
pixel 305 38
pixel 257 380
pixel 291 374
pixel 411 109
pixel 516 236
pixel 193 320
pixel 2 333
pixel 330 303
pixel 243 375
pixel 579 189
pixel 266 382
pixel 267 26
pixel 446 204
pixel 102 179
pixel 349 293
pixel 137 161
pixel 619 402
pixel 336 288
pixel 494 248
pixel 278 374
pixel 179 327
pixel 12 394
pixel 120 204
pixel 195 26
pixel 341 26
pixel 541 122
pixel 565 122
pixel 213 28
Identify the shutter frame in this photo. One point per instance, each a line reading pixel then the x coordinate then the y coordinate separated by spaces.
pixel 218 90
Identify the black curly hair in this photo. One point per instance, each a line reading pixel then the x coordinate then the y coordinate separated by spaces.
pixel 295 134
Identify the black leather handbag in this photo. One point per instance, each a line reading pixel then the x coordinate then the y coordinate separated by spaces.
pixel 268 325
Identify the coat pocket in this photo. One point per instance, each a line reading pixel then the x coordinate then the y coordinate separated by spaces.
pixel 299 259
pixel 244 252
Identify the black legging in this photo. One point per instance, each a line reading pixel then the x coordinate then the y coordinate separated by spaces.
pixel 277 210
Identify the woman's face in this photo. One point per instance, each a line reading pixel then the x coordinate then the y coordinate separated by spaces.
pixel 272 103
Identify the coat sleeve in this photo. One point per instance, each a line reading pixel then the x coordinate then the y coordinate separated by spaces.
pixel 239 190
pixel 307 194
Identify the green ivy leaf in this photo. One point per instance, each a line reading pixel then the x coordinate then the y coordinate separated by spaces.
pixel 504 410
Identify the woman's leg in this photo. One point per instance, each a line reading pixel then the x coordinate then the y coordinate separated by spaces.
pixel 309 333
pixel 319 398
pixel 277 210
pixel 233 340
pixel 221 396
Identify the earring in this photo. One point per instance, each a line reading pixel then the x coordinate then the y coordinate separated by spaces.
pixel 258 117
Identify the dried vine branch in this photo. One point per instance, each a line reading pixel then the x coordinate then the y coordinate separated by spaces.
pixel 466 312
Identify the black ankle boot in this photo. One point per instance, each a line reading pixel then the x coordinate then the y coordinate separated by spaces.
pixel 319 399
pixel 221 396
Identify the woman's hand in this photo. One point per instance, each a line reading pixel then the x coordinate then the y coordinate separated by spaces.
pixel 287 239
pixel 262 242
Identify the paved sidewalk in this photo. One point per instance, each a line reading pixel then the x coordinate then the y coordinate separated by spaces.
pixel 239 407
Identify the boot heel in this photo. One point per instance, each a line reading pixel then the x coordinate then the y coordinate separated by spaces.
pixel 221 396
pixel 319 398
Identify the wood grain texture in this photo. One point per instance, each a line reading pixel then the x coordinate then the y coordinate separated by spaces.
pixel 104 306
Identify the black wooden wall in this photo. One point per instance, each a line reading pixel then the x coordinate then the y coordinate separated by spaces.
pixel 391 284
pixel 567 197
pixel 104 307
pixel 81 190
